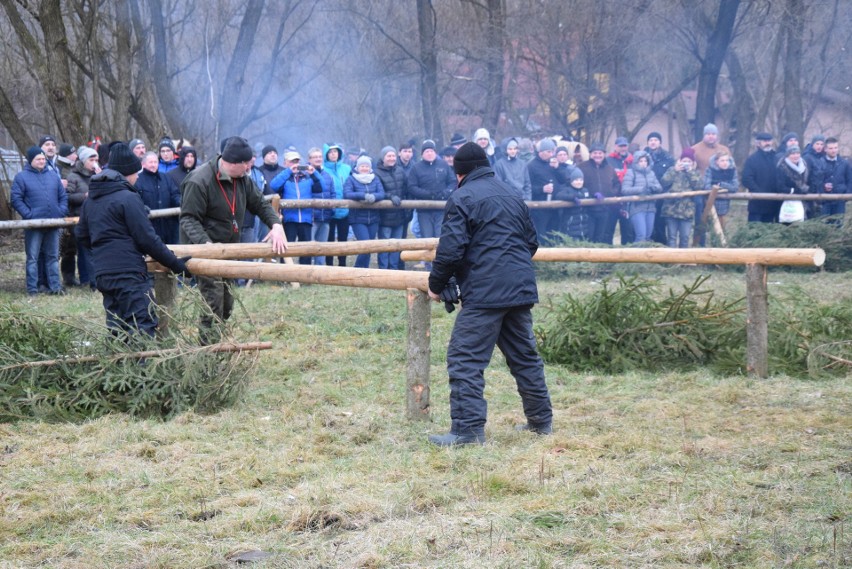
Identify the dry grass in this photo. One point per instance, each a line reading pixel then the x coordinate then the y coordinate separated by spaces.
pixel 318 466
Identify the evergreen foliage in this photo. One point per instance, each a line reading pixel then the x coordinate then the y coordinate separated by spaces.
pixel 187 377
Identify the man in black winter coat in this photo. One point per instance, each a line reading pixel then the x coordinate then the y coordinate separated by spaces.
pixel 759 176
pixel 115 226
pixel 487 243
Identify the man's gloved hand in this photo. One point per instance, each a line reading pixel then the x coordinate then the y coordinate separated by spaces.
pixel 599 196
pixel 370 198
pixel 577 202
pixel 396 201
pixel 450 295
pixel 182 269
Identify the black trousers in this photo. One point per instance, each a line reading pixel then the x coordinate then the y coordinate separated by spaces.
pixel 476 332
pixel 298 232
pixel 127 302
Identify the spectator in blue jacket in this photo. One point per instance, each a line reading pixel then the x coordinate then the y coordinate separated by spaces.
pixel 363 186
pixel 833 175
pixel 298 182
pixel 38 193
pixel 338 227
pixel 166 151
pixel 322 217
pixel 158 191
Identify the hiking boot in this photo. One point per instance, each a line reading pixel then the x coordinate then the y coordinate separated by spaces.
pixel 57 292
pixel 452 440
pixel 537 429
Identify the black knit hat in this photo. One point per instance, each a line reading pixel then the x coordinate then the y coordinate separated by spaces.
pixel 427 145
pixel 237 150
pixel 469 157
pixel 123 161
pixel 458 138
pixel 656 135
pixel 267 149
pixel 66 150
pixel 166 143
pixel 32 152
pixel 45 138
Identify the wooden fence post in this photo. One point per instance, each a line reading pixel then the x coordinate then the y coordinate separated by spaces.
pixel 757 321
pixel 419 352
pixel 165 293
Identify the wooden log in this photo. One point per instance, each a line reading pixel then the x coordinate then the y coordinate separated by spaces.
pixel 314 274
pixel 757 321
pixel 213 348
pixel 165 293
pixel 299 249
pixel 417 404
pixel 701 256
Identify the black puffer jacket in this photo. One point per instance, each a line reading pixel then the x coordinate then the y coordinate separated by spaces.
pixel 114 224
pixel 395 183
pixel 759 177
pixel 487 242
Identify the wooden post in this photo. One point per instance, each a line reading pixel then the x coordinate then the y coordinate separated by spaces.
pixel 757 321
pixel 165 293
pixel 419 353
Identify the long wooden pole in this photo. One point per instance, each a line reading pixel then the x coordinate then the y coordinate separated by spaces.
pixel 336 276
pixel 757 321
pixel 299 249
pixel 701 256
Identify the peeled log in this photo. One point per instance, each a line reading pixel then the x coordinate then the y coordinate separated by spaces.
pixel 314 274
pixel 707 256
pixel 299 249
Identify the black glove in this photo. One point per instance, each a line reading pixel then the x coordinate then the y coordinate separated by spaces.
pixel 396 201
pixel 182 270
pixel 450 295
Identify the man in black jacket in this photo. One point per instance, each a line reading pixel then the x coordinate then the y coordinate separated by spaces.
pixel 487 243
pixel 759 176
pixel 114 224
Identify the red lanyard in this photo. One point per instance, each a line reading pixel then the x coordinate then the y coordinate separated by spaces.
pixel 232 203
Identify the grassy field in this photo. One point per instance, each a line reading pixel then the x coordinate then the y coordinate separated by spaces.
pixel 318 466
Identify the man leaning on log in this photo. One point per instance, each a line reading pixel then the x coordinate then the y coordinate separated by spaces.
pixel 214 200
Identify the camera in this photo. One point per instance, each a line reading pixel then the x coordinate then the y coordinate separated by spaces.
pixel 302 167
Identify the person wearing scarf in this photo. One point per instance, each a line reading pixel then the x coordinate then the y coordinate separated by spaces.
pixel 363 185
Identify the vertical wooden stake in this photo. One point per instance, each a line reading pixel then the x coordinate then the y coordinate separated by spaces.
pixel 757 323
pixel 419 352
pixel 165 293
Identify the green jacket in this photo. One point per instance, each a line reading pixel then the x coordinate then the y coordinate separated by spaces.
pixel 205 207
pixel 683 181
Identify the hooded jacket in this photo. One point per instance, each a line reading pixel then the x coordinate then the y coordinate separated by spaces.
pixel 514 172
pixel 178 174
pixel 38 194
pixel 641 182
pixel 487 242
pixel 115 226
pixel 298 186
pixel 339 171
pixel 681 181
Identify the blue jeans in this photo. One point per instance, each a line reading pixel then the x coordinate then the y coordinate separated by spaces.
pixel 42 242
pixel 678 230
pixel 643 225
pixel 85 266
pixel 415 225
pixel 319 233
pixel 364 232
pixel 390 260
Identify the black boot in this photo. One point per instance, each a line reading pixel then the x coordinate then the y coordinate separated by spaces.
pixel 537 429
pixel 451 439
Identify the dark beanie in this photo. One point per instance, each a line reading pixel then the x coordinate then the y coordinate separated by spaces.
pixel 237 150
pixel 66 150
pixel 427 144
pixel 166 143
pixel 469 157
pixel 123 161
pixel 45 138
pixel 32 152
pixel 656 135
pixel 267 149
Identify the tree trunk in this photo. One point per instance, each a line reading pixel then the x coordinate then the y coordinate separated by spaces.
pixel 427 27
pixel 743 105
pixel 160 75
pixel 121 105
pixel 234 80
pixel 495 36
pixel 794 115
pixel 711 65
pixel 13 123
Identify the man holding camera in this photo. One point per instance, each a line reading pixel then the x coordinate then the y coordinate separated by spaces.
pixel 486 245
pixel 297 182
pixel 215 197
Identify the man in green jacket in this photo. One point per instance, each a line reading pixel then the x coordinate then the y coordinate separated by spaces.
pixel 215 197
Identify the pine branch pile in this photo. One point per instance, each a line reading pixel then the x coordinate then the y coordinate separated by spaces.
pixel 834 238
pixel 91 373
pixel 630 325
